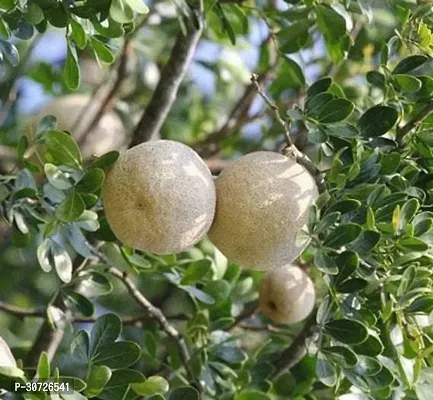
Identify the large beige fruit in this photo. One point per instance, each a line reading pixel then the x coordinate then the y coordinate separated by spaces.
pixel 74 113
pixel 263 200
pixel 287 295
pixel 159 197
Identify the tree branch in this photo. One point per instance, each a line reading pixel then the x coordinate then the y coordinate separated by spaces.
pixel 120 76
pixel 294 353
pixel 172 76
pixel 22 312
pixel 48 339
pixel 150 309
pixel 291 149
pixel 239 114
pixel 418 118
pixel 37 312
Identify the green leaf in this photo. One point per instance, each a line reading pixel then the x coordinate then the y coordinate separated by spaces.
pixel 371 347
pixel 219 290
pixel 408 83
pixel 318 135
pixel 319 86
pixel 377 120
pixel 57 177
pixel 413 244
pixel 62 261
pixel 78 303
pixel 63 148
pixel 424 391
pixel 80 347
pixel 106 161
pixel 347 331
pixel 43 368
pixel 314 105
pixel 406 214
pixel 95 283
pixel 294 37
pixel 153 385
pixel 366 242
pixel 71 70
pixel 389 163
pixel 410 63
pixel 422 304
pixel 347 263
pixel 11 372
pixel 342 353
pixel 293 72
pixel 334 111
pixel 117 355
pixel 331 23
pixel 381 380
pixel 118 385
pixel 342 234
pixel 196 272
pixel 71 207
pixel 138 6
pixel 184 393
pixel 105 331
pixel 343 130
pixel 22 146
pixel 98 377
pixel 45 124
pixel 344 206
pixel 352 285
pixel 325 263
pixel 426 91
pixel 121 12
pixel 198 294
pixel 376 79
pixel 325 371
pixel 231 355
pixel 252 395
pixel 78 35
pixel 43 253
pixel 91 181
pixel 102 52
pixel 368 367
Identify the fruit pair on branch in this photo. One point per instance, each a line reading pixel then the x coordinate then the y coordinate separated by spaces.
pixel 160 197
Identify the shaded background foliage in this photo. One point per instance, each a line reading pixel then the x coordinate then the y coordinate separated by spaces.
pixel 353 81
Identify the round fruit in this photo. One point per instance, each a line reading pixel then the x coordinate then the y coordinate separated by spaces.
pixel 108 134
pixel 159 197
pixel 287 295
pixel 263 200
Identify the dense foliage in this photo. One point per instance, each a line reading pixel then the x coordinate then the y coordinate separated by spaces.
pixel 352 81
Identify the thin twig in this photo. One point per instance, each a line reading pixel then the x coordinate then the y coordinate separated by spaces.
pixel 261 328
pixel 150 309
pixel 413 123
pixel 171 78
pixel 237 117
pixel 291 149
pixel 23 312
pixel 39 312
pixel 294 353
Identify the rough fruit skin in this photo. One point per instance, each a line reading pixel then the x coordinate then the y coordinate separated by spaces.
pixel 159 197
pixel 287 295
pixel 263 200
